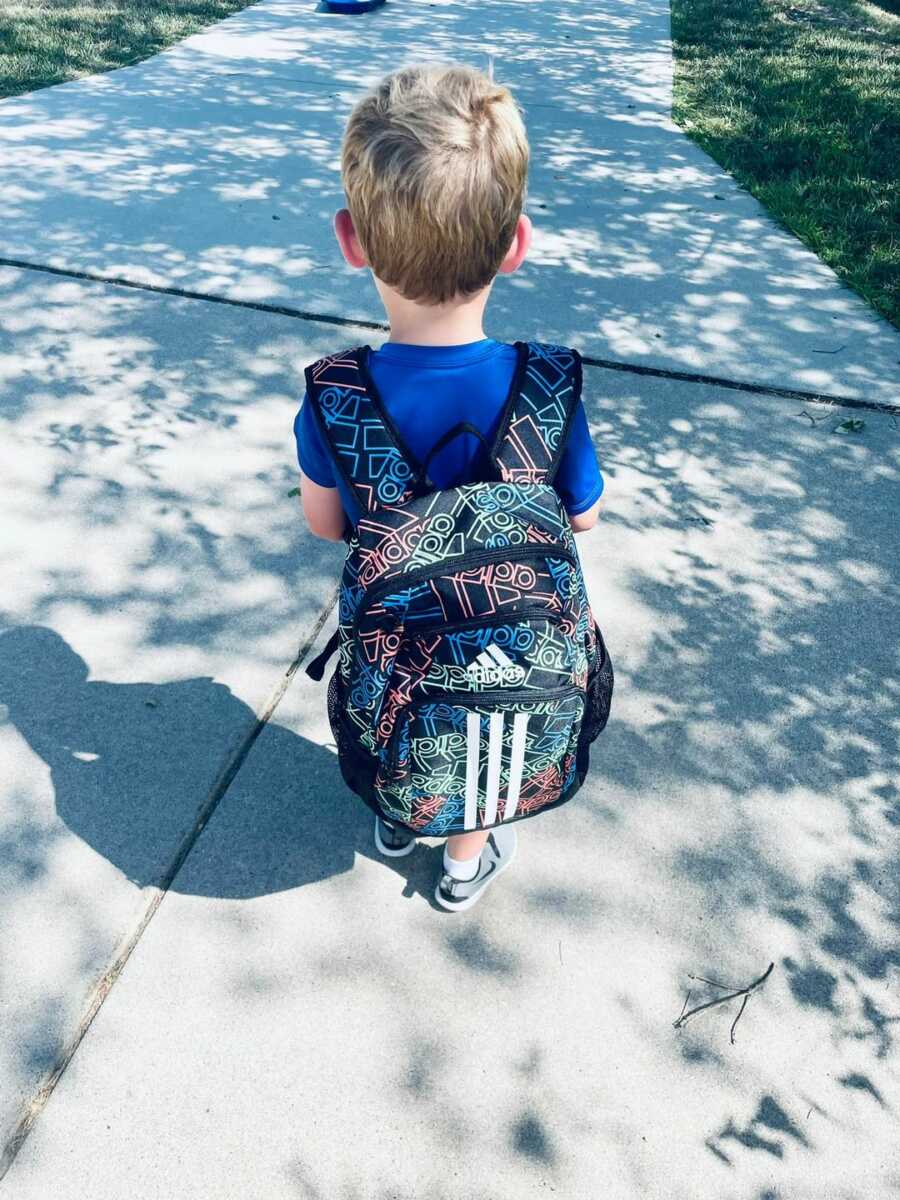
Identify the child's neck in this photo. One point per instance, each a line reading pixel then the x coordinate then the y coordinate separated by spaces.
pixel 450 324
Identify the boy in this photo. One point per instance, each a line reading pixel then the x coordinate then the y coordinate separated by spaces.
pixel 434 167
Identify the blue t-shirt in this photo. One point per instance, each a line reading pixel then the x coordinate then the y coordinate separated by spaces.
pixel 429 389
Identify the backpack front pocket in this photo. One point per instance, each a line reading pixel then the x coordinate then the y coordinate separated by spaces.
pixel 461 762
pixel 528 652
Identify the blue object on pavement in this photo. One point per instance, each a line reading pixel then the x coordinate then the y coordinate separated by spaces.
pixel 347 6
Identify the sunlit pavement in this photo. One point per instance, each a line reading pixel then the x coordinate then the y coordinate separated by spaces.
pixel 296 1019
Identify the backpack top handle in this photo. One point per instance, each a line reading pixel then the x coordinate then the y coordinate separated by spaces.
pixel 422 485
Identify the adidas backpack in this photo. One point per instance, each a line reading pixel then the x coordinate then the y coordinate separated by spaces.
pixel 471 677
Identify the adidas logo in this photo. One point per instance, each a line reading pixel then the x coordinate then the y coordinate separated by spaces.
pixel 493 667
pixel 493 772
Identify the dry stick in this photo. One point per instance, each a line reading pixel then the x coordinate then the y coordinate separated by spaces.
pixel 727 987
pixel 812 420
pixel 745 992
pixel 738 1017
pixel 687 997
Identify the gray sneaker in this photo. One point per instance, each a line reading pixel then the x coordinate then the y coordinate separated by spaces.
pixel 392 840
pixel 498 853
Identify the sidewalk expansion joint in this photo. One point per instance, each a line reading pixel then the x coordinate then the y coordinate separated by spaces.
pixel 36 1104
pixel 605 364
pixel 185 293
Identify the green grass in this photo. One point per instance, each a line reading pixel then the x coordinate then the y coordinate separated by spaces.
pixel 800 101
pixel 51 41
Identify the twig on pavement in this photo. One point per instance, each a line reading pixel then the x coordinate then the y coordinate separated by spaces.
pixel 812 420
pixel 728 987
pixel 745 992
pixel 738 1017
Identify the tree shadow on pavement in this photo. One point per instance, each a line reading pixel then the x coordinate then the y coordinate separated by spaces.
pixel 749 584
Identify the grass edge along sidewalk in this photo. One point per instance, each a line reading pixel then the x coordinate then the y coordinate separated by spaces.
pixel 800 101
pixel 44 42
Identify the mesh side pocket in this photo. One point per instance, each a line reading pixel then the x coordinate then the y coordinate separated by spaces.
pixel 334 712
pixel 357 767
pixel 599 693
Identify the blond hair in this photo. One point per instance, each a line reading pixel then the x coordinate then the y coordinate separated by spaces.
pixel 434 165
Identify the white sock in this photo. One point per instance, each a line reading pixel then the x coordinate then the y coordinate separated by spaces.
pixel 462 869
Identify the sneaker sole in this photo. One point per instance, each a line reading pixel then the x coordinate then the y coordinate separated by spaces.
pixel 382 848
pixel 473 900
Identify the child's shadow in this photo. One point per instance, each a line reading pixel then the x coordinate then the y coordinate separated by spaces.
pixel 132 763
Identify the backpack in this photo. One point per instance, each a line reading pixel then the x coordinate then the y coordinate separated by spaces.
pixel 471 677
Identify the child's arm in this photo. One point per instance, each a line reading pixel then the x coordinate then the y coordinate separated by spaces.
pixel 578 479
pixel 322 508
pixel 320 501
pixel 588 519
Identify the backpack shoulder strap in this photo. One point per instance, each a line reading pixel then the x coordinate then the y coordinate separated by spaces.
pixel 543 397
pixel 362 438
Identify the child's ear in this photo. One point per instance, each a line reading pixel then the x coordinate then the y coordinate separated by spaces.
pixel 521 244
pixel 347 239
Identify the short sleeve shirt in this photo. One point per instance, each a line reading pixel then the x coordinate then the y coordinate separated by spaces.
pixel 429 389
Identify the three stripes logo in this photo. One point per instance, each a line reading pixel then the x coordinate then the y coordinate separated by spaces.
pixel 493 668
pixel 494 765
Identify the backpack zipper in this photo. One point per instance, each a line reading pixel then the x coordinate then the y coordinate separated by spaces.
pixel 464 699
pixel 533 613
pixel 522 696
pixel 462 562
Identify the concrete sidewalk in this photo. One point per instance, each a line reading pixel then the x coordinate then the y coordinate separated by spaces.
pixel 157 588
pixel 296 1019
pixel 291 1027
pixel 213 168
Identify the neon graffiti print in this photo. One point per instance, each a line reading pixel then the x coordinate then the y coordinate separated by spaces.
pixel 469 666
